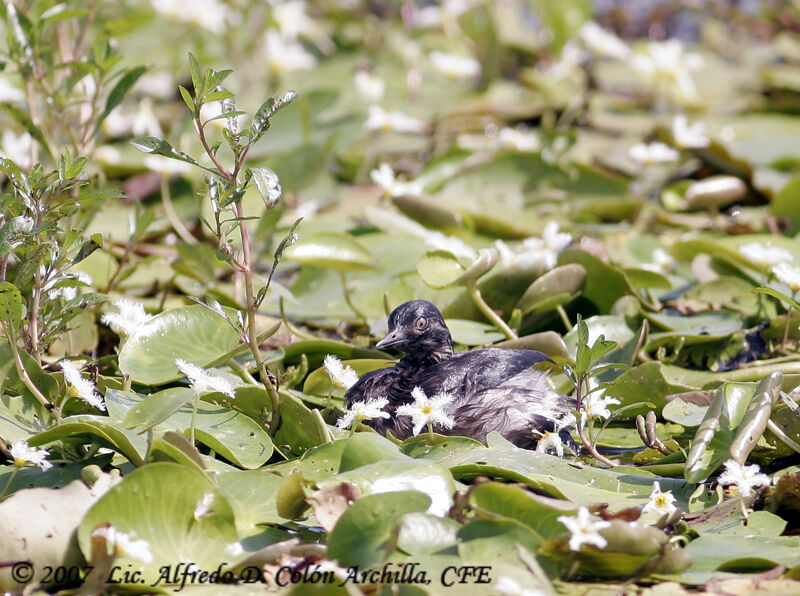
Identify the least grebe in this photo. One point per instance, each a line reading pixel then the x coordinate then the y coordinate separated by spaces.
pixel 493 388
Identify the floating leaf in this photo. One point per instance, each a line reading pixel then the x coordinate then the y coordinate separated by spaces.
pixel 331 250
pixel 192 333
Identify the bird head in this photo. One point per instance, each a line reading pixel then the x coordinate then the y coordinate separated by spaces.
pixel 417 327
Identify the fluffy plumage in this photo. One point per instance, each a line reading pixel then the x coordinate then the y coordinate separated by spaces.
pixel 493 389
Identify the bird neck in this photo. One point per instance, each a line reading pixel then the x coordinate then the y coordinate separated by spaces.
pixel 428 357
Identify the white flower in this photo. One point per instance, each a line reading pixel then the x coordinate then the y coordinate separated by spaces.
pixel 660 502
pixel 122 544
pixel 17 148
pixel 744 477
pixel 130 317
pixel 536 252
pixel 203 380
pixel 789 275
pixel 292 18
pixel 653 153
pixel 145 122
pixel 520 140
pixel 424 410
pixel 584 529
pixel 10 93
pixel 380 119
pixel 209 14
pixel 161 85
pixel 434 16
pixel 107 154
pixel 203 506
pixel 596 406
pixel 550 440
pixel 369 87
pixel 23 454
pixel 341 375
pixel 689 136
pixel 666 60
pixel 284 54
pixel 392 187
pixel 662 262
pixel 571 57
pixel 81 387
pixel 363 411
pixel 165 165
pixel 508 586
pixel 455 66
pixel 765 255
pixel 603 43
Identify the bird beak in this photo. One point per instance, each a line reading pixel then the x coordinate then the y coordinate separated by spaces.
pixel 394 338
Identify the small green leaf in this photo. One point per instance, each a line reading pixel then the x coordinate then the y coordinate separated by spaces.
pixel 11 305
pixel 197 79
pixel 187 98
pixel 120 89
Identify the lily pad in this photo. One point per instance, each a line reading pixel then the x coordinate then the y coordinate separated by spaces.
pixel 161 504
pixel 192 333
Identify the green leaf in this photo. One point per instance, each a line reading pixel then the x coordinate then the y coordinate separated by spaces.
pixel 335 251
pixel 94 429
pixel 365 533
pixel 187 98
pixel 192 333
pixel 556 287
pixel 157 146
pixel 512 502
pixel 158 504
pixel 235 436
pixel 440 269
pixel 117 94
pixel 198 82
pixel 11 305
pixel 712 442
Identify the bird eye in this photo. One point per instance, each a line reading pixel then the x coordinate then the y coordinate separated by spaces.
pixel 421 323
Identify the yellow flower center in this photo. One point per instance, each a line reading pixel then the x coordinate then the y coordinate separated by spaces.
pixel 426 409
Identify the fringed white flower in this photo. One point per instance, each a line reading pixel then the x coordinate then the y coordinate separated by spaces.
pixel 660 502
pixel 427 411
pixel 745 478
pixel 204 381
pixel 584 528
pixel 25 454
pixel 363 411
pixel 341 375
pixel 81 387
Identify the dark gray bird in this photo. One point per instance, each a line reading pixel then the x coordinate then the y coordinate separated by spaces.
pixel 492 388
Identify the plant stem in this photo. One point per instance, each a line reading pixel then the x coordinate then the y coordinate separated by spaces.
pixel 242 372
pixel 788 319
pixel 564 318
pixel 251 321
pixel 173 218
pixel 194 416
pixel 8 484
pixel 349 299
pixel 778 432
pixel 23 374
pixel 475 294
pixel 584 439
